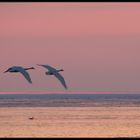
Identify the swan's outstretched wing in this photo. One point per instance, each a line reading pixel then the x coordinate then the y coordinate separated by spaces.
pixel 61 79
pixel 24 73
pixel 56 74
pixel 48 67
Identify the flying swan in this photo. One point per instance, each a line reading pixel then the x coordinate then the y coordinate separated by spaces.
pixel 22 71
pixel 55 72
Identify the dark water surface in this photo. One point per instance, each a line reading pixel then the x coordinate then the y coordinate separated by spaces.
pixel 69 100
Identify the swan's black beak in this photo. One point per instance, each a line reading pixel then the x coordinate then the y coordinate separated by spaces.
pixel 5 71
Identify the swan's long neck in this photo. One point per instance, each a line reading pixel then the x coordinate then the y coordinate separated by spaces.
pixel 60 70
pixel 29 68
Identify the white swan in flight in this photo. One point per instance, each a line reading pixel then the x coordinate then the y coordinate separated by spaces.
pixel 22 71
pixel 55 72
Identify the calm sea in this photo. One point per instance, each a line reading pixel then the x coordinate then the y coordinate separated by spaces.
pixel 69 100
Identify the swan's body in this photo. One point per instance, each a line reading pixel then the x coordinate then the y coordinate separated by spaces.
pixel 55 72
pixel 22 71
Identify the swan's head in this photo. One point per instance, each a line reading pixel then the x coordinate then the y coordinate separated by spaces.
pixel 61 70
pixel 10 69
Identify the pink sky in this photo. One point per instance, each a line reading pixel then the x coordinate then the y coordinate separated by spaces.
pixel 97 45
